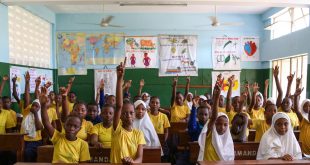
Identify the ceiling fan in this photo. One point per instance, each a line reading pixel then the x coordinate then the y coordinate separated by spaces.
pixel 215 22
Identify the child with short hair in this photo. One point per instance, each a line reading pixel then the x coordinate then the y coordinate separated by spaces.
pixel 127 142
pixel 92 113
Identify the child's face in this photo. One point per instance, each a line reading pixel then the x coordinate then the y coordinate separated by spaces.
pixel 72 126
pixel 7 103
pixel 35 106
pixel 92 111
pixel 270 111
pixel 140 111
pixel 286 104
pixel 221 101
pixel 221 125
pixel 281 126
pixel 179 99
pixel 52 96
pixel 203 115
pixel 58 98
pixel 80 110
pixel 107 114
pixel 111 100
pixel 258 100
pixel 145 98
pixel 236 104
pixel 128 114
pixel 306 107
pixel 189 98
pixel 154 104
pixel 72 98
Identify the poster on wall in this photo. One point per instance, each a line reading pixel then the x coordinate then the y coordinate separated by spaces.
pixel 109 78
pixel 226 53
pixel 104 48
pixel 45 74
pixel 71 53
pixel 250 48
pixel 177 55
pixel 226 75
pixel 141 51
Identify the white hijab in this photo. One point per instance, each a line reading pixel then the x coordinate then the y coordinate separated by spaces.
pixel 190 103
pixel 28 124
pixel 147 102
pixel 304 114
pixel 146 126
pixel 223 144
pixel 273 145
pixel 261 100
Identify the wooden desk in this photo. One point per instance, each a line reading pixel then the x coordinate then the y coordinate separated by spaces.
pixel 13 142
pixel 244 162
pixel 176 127
pixel 150 154
pixel 23 163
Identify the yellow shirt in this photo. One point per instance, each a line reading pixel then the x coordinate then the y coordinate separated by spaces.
pixel 210 153
pixel 104 134
pixel 13 115
pixel 293 117
pixel 261 127
pixel 38 133
pixel 6 121
pixel 160 122
pixel 221 109
pixel 66 151
pixel 70 105
pixel 304 136
pixel 52 115
pixel 231 114
pixel 258 114
pixel 179 112
pixel 125 143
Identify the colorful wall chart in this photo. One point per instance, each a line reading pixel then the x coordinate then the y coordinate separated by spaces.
pixel 226 53
pixel 71 53
pixel 104 48
pixel 250 49
pixel 46 75
pixel 177 54
pixel 226 75
pixel 141 51
pixel 109 77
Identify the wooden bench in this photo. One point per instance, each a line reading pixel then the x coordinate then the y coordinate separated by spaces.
pixel 13 142
pixel 150 154
pixel 24 163
pixel 259 162
pixel 176 127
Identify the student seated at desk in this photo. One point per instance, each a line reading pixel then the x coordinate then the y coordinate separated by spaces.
pixel 239 127
pixel 215 140
pixel 279 142
pixel 68 148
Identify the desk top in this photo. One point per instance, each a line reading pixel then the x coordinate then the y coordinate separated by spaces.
pixel 269 162
pixel 22 163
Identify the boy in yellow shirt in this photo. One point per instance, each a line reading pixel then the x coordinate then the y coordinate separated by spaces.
pixel 127 142
pixel 68 148
pixel 179 108
pixel 101 133
pixel 6 122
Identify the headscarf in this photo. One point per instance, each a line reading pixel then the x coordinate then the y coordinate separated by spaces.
pixel 304 114
pixel 190 103
pixel 223 144
pixel 273 145
pixel 28 124
pixel 147 102
pixel 261 100
pixel 204 98
pixel 271 100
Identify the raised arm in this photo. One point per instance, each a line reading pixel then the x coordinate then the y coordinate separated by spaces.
pixel 27 90
pixel 174 89
pixel 290 79
pixel 253 102
pixel 36 91
pixel 188 80
pixel 120 70
pixel 247 88
pixel 228 97
pixel 141 85
pixel 101 94
pixel 58 123
pixel 45 101
pixel 65 107
pixel 127 87
pixel 298 82
pixel 296 101
pixel 266 92
pixel 14 93
pixel 192 123
pixel 70 82
pixel 275 71
pixel 216 96
pixel 4 79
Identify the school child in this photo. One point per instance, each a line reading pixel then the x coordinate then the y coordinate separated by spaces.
pixel 239 127
pixel 256 109
pixel 111 100
pixel 279 142
pixel 127 142
pixel 101 133
pixel 71 95
pixel 222 107
pixel 92 113
pixel 285 105
pixel 179 109
pixel 304 118
pixel 68 148
pixel 215 141
pixel 194 126
pixel 143 122
pixel 189 100
pixel 144 96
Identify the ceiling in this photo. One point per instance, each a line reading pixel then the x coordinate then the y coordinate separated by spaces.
pixel 171 6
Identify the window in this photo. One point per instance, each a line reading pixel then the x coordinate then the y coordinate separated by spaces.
pixel 297 65
pixel 289 20
pixel 29 38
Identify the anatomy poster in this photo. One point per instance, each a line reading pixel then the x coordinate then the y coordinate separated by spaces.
pixel 141 52
pixel 177 54
pixel 109 78
pixel 226 53
pixel 250 49
pixel 226 75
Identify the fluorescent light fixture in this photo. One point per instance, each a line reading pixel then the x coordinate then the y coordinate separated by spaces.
pixel 151 4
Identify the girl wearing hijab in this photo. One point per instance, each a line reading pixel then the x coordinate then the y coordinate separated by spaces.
pixel 256 109
pixel 279 142
pixel 215 140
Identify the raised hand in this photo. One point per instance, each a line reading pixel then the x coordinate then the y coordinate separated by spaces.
pixel 27 76
pixel 290 77
pixel 196 101
pixel 247 86
pixel 43 91
pixel 217 90
pixel 231 79
pixel 141 82
pixel 63 91
pixel 275 70
pixel 101 84
pixel 48 84
pixel 44 100
pixel 38 81
pixel 255 87
pixel 175 81
pixel 128 84
pixel 298 91
pixel 266 82
pixel 71 80
pixel 188 79
pixel 5 77
pixel 298 81
pixel 120 69
pixel 14 79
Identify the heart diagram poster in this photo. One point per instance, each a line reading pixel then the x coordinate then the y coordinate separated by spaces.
pixel 250 49
pixel 226 75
